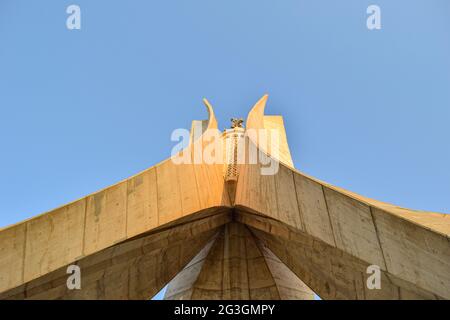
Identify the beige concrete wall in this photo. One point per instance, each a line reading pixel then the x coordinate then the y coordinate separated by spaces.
pixel 406 249
pixel 235 265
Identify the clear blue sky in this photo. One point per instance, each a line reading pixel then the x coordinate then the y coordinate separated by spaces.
pixel 365 110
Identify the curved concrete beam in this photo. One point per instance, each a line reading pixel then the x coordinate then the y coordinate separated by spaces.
pixel 212 121
pixel 263 129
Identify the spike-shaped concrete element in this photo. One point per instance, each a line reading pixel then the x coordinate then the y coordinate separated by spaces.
pixel 257 236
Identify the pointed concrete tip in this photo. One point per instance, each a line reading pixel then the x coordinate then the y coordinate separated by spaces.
pixel 208 107
pixel 261 104
pixel 205 101
pixel 212 122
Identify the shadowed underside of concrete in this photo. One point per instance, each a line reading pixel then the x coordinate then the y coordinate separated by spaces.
pixel 280 236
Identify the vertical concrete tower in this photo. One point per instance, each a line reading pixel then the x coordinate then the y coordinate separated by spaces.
pixel 230 229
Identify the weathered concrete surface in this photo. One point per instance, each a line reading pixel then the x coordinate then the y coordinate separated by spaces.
pixel 133 238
